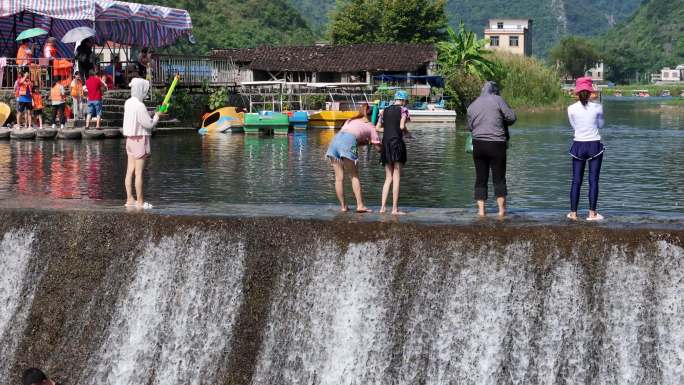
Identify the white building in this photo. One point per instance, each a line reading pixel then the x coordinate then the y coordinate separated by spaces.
pixel 596 73
pixel 669 75
pixel 510 35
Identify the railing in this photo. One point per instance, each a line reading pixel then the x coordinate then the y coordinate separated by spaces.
pixel 41 71
pixel 195 71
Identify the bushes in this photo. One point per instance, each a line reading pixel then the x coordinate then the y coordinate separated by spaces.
pixel 525 83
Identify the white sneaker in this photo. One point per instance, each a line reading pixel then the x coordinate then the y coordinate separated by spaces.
pixel 145 206
pixel 598 217
pixel 61 126
pixel 53 126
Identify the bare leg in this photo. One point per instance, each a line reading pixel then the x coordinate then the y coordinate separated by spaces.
pixel 97 125
pixel 501 201
pixel 18 115
pixel 87 122
pixel 396 179
pixel 481 208
pixel 128 182
pixel 28 118
pixel 389 170
pixel 40 121
pixel 356 186
pixel 339 184
pixel 139 167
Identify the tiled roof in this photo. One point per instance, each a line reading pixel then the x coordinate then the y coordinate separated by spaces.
pixel 335 58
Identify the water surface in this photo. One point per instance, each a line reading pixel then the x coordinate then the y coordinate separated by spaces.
pixel 642 169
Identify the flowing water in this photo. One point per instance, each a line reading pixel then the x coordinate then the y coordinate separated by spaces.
pixel 101 296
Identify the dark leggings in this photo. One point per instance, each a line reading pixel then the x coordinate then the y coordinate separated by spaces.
pixel 578 176
pixel 489 155
pixel 58 108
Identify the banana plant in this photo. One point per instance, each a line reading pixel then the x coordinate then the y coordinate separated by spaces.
pixel 464 52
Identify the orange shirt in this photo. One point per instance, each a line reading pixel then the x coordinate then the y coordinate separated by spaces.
pixel 56 93
pixel 77 88
pixel 50 51
pixel 37 101
pixel 24 55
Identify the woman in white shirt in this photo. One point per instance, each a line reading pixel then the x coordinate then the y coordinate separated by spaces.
pixel 137 128
pixel 586 118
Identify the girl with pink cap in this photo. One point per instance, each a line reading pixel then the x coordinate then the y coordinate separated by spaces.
pixel 586 118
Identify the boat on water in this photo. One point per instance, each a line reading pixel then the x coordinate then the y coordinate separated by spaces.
pixel 299 120
pixel 330 119
pixel 267 121
pixel 641 93
pixel 226 119
pixel 666 94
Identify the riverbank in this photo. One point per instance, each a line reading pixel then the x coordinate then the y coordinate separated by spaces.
pixel 105 297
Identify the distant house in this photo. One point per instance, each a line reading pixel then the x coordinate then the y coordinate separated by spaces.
pixel 510 35
pixel 357 63
pixel 674 75
pixel 596 73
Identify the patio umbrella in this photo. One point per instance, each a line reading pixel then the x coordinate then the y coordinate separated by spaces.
pixel 77 34
pixel 33 32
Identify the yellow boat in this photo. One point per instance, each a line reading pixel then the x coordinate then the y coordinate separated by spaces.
pixel 5 112
pixel 330 119
pixel 225 119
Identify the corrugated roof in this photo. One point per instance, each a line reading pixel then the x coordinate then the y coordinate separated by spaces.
pixel 372 57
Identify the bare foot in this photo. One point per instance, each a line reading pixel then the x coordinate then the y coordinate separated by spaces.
pixel 344 209
pixel 481 214
pixel 363 210
pixel 130 203
pixel 383 210
pixel 502 214
pixel 397 212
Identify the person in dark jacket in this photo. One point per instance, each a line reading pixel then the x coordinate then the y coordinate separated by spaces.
pixel 392 124
pixel 488 119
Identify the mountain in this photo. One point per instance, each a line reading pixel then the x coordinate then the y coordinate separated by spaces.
pixel 552 18
pixel 653 38
pixel 241 23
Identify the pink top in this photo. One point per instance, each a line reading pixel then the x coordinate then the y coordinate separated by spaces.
pixel 363 131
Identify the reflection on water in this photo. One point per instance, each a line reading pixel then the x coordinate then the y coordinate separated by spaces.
pixel 642 166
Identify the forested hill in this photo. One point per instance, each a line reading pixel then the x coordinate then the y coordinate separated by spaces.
pixel 552 18
pixel 653 38
pixel 241 23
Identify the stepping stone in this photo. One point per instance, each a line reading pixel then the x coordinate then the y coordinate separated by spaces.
pixel 23 134
pixel 111 133
pixel 5 133
pixel 46 133
pixel 93 134
pixel 69 134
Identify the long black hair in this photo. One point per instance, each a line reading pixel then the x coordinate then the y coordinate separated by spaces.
pixel 584 97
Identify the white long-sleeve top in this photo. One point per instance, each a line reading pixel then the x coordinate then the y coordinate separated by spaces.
pixel 586 121
pixel 137 121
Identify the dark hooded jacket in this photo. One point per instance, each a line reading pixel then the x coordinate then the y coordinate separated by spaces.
pixel 489 115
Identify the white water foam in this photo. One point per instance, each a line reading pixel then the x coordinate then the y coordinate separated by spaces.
pixel 670 314
pixel 16 294
pixel 327 324
pixel 176 320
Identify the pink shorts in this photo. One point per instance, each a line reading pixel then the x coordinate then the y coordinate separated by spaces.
pixel 138 147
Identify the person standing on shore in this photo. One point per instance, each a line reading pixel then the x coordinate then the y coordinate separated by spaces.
pixel 392 123
pixel 488 119
pixel 586 118
pixel 77 95
pixel 137 128
pixel 96 88
pixel 58 101
pixel 343 154
pixel 24 99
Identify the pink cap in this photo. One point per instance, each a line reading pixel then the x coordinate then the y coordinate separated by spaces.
pixel 584 84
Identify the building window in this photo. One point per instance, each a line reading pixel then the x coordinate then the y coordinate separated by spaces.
pixel 494 41
pixel 598 75
pixel 666 75
pixel 590 74
pixel 499 25
pixel 513 41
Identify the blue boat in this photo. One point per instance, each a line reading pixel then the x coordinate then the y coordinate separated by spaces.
pixel 299 120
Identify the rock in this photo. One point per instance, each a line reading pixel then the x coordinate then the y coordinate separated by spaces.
pixel 5 133
pixel 69 134
pixel 112 133
pixel 47 133
pixel 28 133
pixel 92 134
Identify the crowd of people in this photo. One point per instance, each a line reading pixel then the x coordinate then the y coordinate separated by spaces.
pixel 86 90
pixel 489 118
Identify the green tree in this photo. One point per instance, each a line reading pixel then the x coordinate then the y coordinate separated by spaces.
pixel 464 53
pixel 388 21
pixel 575 56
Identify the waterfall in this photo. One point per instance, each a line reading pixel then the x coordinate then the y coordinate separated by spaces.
pixel 17 285
pixel 284 301
pixel 175 321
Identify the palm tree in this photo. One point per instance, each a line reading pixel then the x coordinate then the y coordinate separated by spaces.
pixel 463 52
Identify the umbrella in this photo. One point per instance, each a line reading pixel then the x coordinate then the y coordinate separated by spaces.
pixel 33 32
pixel 77 34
